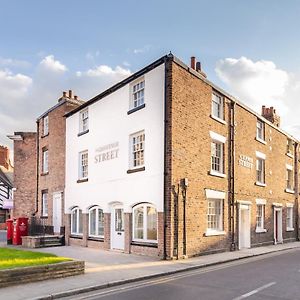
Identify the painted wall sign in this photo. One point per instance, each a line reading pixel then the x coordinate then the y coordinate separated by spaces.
pixel 245 161
pixel 107 152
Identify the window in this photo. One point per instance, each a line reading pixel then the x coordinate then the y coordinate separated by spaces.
pixel 138 92
pixel 290 147
pixel 145 223
pixel 217 154
pixel 83 121
pixel 44 204
pixel 45 161
pixel 137 149
pixel 83 165
pixel 260 130
pixel 45 125
pixel 217 106
pixel 260 170
pixel 76 221
pixel 214 215
pixel 96 222
pixel 289 180
pixel 289 218
pixel 260 215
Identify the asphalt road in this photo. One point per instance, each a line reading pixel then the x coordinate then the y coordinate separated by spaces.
pixel 274 276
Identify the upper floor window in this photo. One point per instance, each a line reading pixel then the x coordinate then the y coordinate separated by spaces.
pixel 96 222
pixel 45 125
pixel 44 204
pixel 145 223
pixel 83 121
pixel 138 94
pixel 289 179
pixel 260 170
pixel 260 130
pixel 137 141
pixel 45 161
pixel 217 106
pixel 76 221
pixel 290 147
pixel 83 165
pixel 217 154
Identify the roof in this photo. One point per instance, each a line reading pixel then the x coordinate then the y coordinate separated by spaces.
pixel 6 178
pixel 176 60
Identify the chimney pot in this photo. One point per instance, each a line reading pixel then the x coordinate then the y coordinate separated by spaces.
pixel 70 94
pixel 75 97
pixel 64 94
pixel 193 62
pixel 198 66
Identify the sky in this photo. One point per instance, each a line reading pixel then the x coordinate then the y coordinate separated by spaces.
pixel 248 48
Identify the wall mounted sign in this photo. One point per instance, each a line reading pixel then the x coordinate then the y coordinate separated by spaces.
pixel 245 161
pixel 107 152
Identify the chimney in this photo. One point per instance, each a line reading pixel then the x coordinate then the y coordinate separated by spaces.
pixel 193 62
pixel 4 157
pixel 75 97
pixel 198 66
pixel 270 114
pixel 70 94
pixel 64 94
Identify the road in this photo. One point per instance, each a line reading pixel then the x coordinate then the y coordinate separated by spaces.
pixel 274 276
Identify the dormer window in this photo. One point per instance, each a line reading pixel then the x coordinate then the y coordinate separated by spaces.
pixel 45 125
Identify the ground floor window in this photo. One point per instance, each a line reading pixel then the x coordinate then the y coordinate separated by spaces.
pixel 289 218
pixel 76 221
pixel 96 222
pixel 260 216
pixel 145 223
pixel 215 215
pixel 44 204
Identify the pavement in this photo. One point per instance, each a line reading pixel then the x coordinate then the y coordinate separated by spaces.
pixel 108 268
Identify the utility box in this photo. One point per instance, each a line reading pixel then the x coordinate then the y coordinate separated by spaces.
pixel 20 228
pixel 9 232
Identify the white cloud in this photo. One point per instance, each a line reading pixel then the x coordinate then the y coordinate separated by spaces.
pixel 104 70
pixel 92 55
pixel 142 49
pixel 258 83
pixel 49 63
pixel 9 62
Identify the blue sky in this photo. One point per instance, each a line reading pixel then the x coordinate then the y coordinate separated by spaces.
pixel 250 48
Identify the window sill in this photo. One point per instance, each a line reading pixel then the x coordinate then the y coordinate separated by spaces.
pixel 144 244
pixel 289 191
pixel 218 119
pixel 135 170
pixel 289 155
pixel 132 110
pixel 96 239
pixel 45 135
pixel 44 217
pixel 217 174
pixel 214 233
pixel 261 141
pixel 290 229
pixel 44 173
pixel 260 184
pixel 76 236
pixel 260 230
pixel 82 180
pixel 83 132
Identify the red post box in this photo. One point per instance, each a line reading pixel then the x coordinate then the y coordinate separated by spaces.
pixel 20 228
pixel 9 232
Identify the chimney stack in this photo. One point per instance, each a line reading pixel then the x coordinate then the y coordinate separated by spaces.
pixel 270 115
pixel 193 62
pixel 196 65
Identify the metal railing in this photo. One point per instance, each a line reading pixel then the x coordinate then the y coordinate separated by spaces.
pixel 38 226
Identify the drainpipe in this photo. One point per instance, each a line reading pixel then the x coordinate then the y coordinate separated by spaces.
pixel 231 163
pixel 296 174
pixel 184 185
pixel 37 168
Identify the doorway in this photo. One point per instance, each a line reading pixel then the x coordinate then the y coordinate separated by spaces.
pixel 244 226
pixel 117 226
pixel 57 215
pixel 278 225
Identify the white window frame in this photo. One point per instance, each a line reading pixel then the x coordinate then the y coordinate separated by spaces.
pixel 137 88
pixel 289 179
pixel 290 147
pixel 260 157
pixel 45 125
pixel 260 131
pixel 98 209
pixel 217 140
pixel 76 210
pixel 84 121
pixel 44 212
pixel 260 203
pixel 83 174
pixel 219 105
pixel 133 150
pixel 290 219
pixel 45 161
pixel 145 223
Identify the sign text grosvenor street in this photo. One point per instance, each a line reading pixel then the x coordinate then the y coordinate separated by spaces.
pixel 107 152
pixel 245 161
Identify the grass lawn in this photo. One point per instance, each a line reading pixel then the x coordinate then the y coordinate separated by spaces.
pixel 11 258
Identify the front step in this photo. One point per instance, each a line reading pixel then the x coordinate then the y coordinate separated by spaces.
pixel 43 241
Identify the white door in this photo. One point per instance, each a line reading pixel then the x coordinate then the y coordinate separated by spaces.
pixel 117 225
pixel 278 225
pixel 244 227
pixel 57 212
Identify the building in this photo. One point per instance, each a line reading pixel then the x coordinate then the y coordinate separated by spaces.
pixel 40 166
pixel 166 163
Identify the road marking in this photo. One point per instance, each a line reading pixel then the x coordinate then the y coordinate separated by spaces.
pixel 255 291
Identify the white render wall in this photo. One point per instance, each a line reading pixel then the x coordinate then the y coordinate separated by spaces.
pixel 108 181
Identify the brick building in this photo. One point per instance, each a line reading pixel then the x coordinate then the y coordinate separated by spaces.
pixel 39 159
pixel 166 163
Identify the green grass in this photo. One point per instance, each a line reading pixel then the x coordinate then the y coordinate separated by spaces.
pixel 11 258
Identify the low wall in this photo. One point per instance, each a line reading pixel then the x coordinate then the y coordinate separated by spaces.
pixel 36 273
